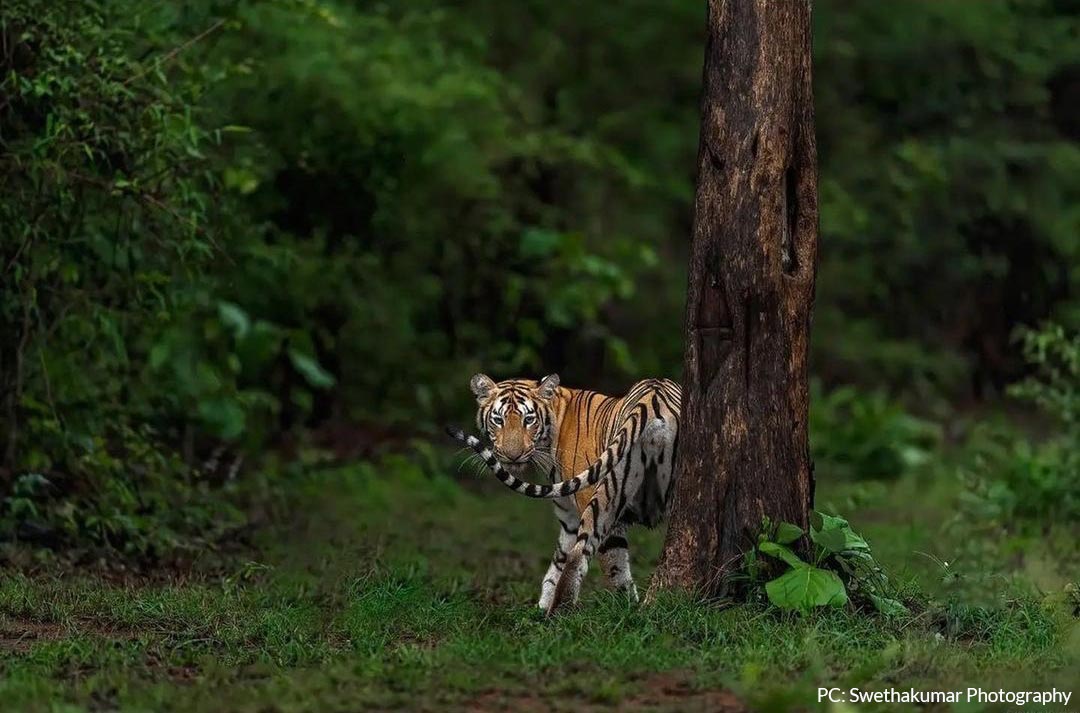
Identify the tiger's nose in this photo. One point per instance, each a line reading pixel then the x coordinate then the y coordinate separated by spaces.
pixel 523 457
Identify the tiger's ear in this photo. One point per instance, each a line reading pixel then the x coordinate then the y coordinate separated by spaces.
pixel 547 386
pixel 482 386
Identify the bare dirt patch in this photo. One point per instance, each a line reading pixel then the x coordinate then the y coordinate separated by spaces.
pixel 507 702
pixel 20 635
pixel 668 691
pixel 161 669
pixel 671 691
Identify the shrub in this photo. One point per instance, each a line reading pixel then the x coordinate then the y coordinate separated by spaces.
pixel 104 217
pixel 866 435
pixel 1055 386
pixel 1010 476
pixel 395 177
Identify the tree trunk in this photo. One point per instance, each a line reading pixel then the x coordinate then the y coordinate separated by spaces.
pixel 744 451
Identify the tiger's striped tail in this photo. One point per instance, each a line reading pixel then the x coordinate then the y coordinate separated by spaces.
pixel 588 477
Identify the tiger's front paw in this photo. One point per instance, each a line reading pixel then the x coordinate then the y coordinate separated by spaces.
pixel 569 586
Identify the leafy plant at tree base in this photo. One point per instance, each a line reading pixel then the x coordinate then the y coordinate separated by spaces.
pixel 842 564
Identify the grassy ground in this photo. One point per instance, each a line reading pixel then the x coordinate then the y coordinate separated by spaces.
pixel 387 587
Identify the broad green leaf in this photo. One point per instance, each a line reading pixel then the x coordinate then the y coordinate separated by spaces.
pixel 888 606
pixel 854 541
pixel 311 370
pixel 806 587
pixel 835 534
pixel 821 521
pixel 538 243
pixel 786 533
pixel 831 540
pixel 782 553
pixel 224 416
pixel 159 355
pixel 234 318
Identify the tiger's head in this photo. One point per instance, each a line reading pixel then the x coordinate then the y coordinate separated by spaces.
pixel 517 416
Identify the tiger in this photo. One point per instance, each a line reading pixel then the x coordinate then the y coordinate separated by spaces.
pixel 610 462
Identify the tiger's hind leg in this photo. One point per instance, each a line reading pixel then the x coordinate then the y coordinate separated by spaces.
pixel 569 520
pixel 602 513
pixel 615 562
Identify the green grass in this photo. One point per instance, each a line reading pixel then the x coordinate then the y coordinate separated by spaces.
pixel 387 587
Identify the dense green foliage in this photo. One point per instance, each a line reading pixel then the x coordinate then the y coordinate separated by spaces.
pixel 228 223
pixel 1035 480
pixel 861 434
pixel 949 186
pixel 105 223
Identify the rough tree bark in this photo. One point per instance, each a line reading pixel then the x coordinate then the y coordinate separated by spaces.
pixel 744 451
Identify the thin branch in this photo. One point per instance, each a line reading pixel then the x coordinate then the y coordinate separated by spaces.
pixel 171 54
pixel 145 197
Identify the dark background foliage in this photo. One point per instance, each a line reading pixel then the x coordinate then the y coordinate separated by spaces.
pixel 244 223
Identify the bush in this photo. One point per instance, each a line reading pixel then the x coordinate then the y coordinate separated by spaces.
pixel 1055 387
pixel 866 435
pixel 397 178
pixel 104 216
pixel 1010 477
